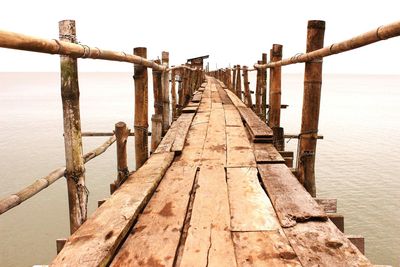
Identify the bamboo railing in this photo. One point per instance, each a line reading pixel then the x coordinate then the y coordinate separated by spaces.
pixel 70 50
pixel 312 89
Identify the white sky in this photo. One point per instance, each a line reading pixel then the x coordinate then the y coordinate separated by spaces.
pixel 231 32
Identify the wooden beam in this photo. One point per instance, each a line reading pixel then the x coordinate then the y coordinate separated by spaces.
pixel 247 95
pixel 165 93
pixel 311 106
pixel 141 109
pixel 328 204
pixel 357 241
pixel 338 220
pixel 75 169
pixel 274 119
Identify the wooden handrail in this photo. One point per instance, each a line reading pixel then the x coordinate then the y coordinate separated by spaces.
pixel 381 33
pixel 20 41
pixel 15 199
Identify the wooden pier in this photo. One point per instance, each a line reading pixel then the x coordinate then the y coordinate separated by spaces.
pixel 216 187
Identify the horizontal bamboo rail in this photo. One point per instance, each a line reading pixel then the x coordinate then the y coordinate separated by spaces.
pixel 34 44
pixel 381 33
pixel 97 134
pixel 15 199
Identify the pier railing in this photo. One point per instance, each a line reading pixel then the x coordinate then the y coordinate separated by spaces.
pixel 70 50
pixel 313 58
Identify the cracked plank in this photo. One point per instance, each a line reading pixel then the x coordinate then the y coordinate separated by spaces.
pixel 291 201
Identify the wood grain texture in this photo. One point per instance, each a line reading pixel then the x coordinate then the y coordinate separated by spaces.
pixel 266 153
pixel 235 100
pixel 183 124
pixel 322 244
pixel 259 249
pixel 209 240
pixel 239 152
pixel 232 116
pixel 291 201
pixel 94 243
pixel 257 126
pixel 328 204
pixel 251 209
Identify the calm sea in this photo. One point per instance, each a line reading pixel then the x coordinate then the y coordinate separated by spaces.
pixel 358 161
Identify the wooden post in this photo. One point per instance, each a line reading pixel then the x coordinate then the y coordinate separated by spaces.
pixel 141 109
pixel 233 88
pixel 258 92
pixel 173 94
pixel 279 138
pixel 246 83
pixel 263 89
pixel 165 93
pixel 75 168
pixel 181 93
pixel 121 135
pixel 157 118
pixel 228 78
pixel 275 88
pixel 238 90
pixel 311 106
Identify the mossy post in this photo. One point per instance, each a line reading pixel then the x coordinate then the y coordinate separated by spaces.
pixel 141 109
pixel 165 93
pixel 75 168
pixel 157 118
pixel 311 106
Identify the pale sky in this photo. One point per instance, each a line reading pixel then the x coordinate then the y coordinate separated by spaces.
pixel 231 32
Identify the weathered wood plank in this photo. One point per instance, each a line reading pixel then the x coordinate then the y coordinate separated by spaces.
pixel 235 100
pixel 232 116
pixel 338 220
pixel 266 153
pixel 209 240
pixel 95 242
pixel 291 201
pixel 155 237
pixel 197 97
pixel 322 244
pixel 257 126
pixel 224 96
pixel 260 249
pixel 238 151
pixel 168 140
pixel 357 241
pixel 189 110
pixel 328 204
pixel 184 122
pixel 251 209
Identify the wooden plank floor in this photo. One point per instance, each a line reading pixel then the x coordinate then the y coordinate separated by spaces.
pixel 212 205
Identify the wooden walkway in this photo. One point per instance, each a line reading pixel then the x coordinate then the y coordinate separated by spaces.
pixel 215 193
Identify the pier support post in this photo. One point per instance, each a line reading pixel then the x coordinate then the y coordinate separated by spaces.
pixel 274 119
pixel 264 89
pixel 233 88
pixel 257 108
pixel 173 94
pixel 311 106
pixel 238 83
pixel 246 83
pixel 121 136
pixel 157 118
pixel 141 123
pixel 75 168
pixel 165 93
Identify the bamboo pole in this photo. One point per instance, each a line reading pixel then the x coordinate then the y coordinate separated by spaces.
pixel 246 83
pixel 233 88
pixel 258 92
pixel 173 94
pixel 63 47
pixel 263 90
pixel 121 134
pixel 165 93
pixel 157 118
pixel 181 93
pixel 311 106
pixel 275 88
pixel 75 169
pixel 381 33
pixel 238 82
pixel 15 199
pixel 141 109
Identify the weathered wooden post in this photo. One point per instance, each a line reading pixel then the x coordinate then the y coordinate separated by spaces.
pixel 157 118
pixel 121 135
pixel 165 93
pixel 228 78
pixel 263 89
pixel 233 88
pixel 141 109
pixel 275 88
pixel 75 168
pixel 247 95
pixel 173 94
pixel 258 91
pixel 311 106
pixel 181 89
pixel 238 90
